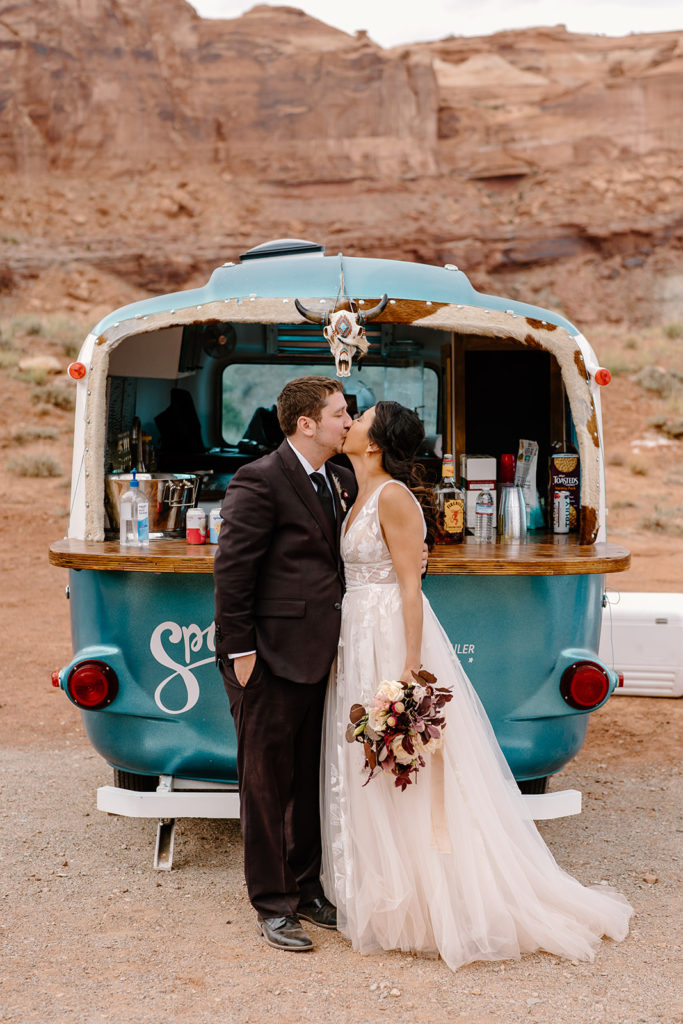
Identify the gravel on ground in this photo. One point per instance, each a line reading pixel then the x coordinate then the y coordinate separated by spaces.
pixel 90 932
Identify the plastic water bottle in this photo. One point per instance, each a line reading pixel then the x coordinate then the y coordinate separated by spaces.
pixel 134 516
pixel 143 520
pixel 483 522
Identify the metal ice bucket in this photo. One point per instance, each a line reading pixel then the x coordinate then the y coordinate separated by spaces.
pixel 169 496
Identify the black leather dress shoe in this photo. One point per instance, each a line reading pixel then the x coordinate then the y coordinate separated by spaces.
pixel 319 911
pixel 285 933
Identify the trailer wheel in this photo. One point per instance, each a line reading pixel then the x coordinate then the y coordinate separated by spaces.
pixel 138 783
pixel 534 785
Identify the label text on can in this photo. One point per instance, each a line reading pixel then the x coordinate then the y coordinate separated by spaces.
pixel 214 525
pixel 561 512
pixel 195 526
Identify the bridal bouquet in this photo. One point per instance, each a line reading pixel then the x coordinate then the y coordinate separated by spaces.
pixel 404 722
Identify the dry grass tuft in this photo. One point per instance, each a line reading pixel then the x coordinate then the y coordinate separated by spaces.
pixel 638 468
pixel 34 465
pixel 58 395
pixel 664 520
pixel 8 358
pixel 25 435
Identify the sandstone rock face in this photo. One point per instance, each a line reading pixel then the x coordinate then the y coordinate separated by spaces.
pixel 123 84
pixel 545 98
pixel 140 146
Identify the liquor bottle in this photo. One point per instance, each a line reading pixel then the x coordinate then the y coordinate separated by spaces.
pixel 450 500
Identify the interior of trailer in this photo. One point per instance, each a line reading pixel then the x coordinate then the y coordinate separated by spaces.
pixel 200 398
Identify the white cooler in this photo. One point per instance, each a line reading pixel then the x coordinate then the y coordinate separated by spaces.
pixel 642 638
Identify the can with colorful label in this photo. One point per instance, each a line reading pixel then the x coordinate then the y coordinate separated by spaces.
pixel 195 526
pixel 214 525
pixel 561 511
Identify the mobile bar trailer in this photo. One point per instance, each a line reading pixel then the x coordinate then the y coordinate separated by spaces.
pixel 183 388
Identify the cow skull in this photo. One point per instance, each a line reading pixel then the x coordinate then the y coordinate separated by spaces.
pixel 346 338
pixel 345 332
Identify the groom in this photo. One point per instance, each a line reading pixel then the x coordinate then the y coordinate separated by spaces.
pixel 278 589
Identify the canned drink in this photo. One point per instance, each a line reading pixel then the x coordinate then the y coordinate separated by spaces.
pixel 195 526
pixel 214 525
pixel 561 511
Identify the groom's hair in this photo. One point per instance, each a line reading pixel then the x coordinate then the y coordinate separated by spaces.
pixel 304 396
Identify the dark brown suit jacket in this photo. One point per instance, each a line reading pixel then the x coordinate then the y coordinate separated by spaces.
pixel 278 572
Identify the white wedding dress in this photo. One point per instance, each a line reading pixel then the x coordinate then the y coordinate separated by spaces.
pixel 498 893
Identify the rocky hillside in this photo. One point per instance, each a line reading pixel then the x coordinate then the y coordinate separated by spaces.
pixel 141 145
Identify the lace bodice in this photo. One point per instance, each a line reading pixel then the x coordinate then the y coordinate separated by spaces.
pixel 366 556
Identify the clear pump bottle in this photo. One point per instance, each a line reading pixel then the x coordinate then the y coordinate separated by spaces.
pixel 134 516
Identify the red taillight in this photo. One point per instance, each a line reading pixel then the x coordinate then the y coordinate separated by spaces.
pixel 92 684
pixel 55 677
pixel 584 685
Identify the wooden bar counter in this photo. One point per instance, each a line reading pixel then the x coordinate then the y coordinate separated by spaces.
pixel 540 555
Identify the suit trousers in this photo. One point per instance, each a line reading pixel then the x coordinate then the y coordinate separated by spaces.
pixel 279 732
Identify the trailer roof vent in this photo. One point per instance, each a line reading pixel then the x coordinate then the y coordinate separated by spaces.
pixel 282 247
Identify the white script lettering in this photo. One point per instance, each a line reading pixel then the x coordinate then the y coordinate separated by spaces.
pixel 192 639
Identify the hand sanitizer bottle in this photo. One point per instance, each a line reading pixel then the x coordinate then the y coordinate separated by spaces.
pixel 134 516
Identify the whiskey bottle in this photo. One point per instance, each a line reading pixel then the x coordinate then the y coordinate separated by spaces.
pixel 450 500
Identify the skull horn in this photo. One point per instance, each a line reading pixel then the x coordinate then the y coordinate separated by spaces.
pixel 313 317
pixel 364 318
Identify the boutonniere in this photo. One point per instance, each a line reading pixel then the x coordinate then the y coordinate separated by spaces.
pixel 343 495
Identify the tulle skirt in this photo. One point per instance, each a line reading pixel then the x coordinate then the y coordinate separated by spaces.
pixel 490 889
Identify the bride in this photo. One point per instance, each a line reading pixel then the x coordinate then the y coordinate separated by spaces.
pixel 453 865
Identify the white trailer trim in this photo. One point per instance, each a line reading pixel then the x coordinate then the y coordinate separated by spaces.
pixel 226 804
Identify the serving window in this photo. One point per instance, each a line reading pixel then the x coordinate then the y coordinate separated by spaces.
pixel 250 390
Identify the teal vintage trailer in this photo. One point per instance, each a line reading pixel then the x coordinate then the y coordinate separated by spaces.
pixel 184 386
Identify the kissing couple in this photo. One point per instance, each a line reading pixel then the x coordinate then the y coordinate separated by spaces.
pixel 318 600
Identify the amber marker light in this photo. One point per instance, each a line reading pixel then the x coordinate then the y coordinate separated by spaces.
pixel 76 371
pixel 602 376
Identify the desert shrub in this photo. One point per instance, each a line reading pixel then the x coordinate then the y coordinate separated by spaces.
pixel 616 459
pixel 25 435
pixel 660 382
pixel 8 358
pixel 622 503
pixel 638 468
pixel 673 331
pixel 34 465
pixel 66 332
pixel 32 375
pixel 664 520
pixel 25 324
pixel 55 394
pixel 631 342
pixel 616 364
pixel 57 328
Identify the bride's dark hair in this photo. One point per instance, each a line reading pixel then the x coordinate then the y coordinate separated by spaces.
pixel 398 433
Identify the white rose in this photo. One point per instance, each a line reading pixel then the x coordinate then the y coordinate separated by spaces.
pixel 376 719
pixel 391 689
pixel 400 754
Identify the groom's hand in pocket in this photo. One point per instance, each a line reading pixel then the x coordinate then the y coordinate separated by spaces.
pixel 243 668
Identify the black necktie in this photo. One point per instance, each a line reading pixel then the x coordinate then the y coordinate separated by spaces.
pixel 323 492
